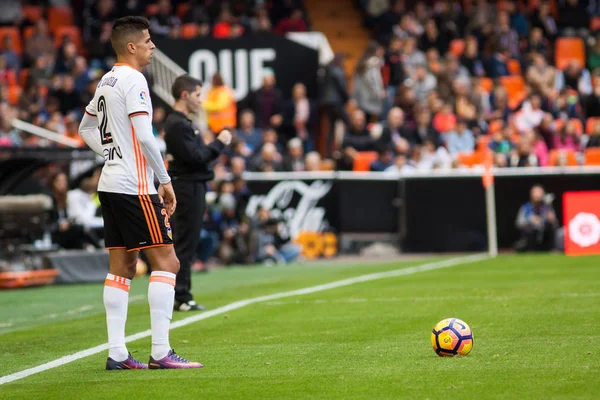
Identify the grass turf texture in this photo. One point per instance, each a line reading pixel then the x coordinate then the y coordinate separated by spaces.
pixel 536 323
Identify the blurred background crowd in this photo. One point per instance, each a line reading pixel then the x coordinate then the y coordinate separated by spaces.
pixel 441 85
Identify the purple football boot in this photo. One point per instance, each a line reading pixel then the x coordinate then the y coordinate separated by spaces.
pixel 130 363
pixel 172 361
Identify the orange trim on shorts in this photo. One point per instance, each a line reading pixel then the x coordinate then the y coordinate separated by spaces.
pixel 153 219
pixel 117 285
pixel 147 212
pixel 162 279
pixel 150 246
pixel 115 247
pixel 90 114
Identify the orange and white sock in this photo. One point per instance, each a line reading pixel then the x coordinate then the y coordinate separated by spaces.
pixel 116 300
pixel 161 295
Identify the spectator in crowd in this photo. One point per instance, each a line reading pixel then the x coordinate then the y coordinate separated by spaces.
pixel 507 37
pixel 401 165
pixel 297 117
pixel 412 56
pixel 424 82
pixel 594 137
pixel 10 54
pixel 537 44
pixel 470 59
pixel 566 138
pixel 545 21
pixel 39 43
pixel 536 222
pixel 432 38
pixel 294 161
pixel 574 77
pixel 593 60
pixel 540 149
pixel 531 114
pixel 356 139
pixel 272 247
pixel 369 92
pixel 220 105
pixel 524 155
pixel 541 76
pixel 393 63
pixel 333 97
pixel 312 162
pixel 461 139
pixel 247 130
pixel 66 231
pixel 83 203
pixel 268 160
pixel 293 23
pixel 430 156
pixel 395 135
pixel 267 102
pixel 237 244
pixel 384 160
pixel 164 23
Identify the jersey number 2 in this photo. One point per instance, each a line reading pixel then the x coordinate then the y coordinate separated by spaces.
pixel 105 136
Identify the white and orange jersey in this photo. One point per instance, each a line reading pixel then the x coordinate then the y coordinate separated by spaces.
pixel 122 94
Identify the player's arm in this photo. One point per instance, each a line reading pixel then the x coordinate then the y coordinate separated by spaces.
pixel 142 127
pixel 88 129
pixel 187 149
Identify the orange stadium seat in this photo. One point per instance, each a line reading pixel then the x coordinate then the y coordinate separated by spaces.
pixel 189 31
pixel 363 160
pixel 457 47
pixel 14 34
pixel 33 13
pixel 515 88
pixel 487 84
pixel 14 93
pixel 70 31
pixel 514 67
pixel 592 156
pixel 59 16
pixel 568 49
pixel 589 124
pixel 555 155
pixel 483 142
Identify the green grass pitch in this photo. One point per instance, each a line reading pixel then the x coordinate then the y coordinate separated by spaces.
pixel 535 319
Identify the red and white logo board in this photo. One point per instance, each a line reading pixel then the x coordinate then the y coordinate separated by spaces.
pixel 581 218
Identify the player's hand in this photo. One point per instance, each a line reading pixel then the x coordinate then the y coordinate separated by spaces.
pixel 225 137
pixel 167 197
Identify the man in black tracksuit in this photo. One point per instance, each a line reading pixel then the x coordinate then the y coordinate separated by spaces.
pixel 188 157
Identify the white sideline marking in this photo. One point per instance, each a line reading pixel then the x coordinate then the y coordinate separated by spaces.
pixel 243 303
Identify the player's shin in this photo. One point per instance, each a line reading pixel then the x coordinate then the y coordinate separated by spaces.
pixel 116 300
pixel 161 295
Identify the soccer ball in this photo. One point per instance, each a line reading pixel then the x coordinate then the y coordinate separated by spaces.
pixel 451 337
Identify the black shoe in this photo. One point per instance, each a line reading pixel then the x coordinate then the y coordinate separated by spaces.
pixel 189 306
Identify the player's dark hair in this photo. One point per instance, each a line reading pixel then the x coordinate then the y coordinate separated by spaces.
pixel 124 29
pixel 184 83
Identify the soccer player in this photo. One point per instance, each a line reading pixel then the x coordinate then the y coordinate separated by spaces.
pixel 117 125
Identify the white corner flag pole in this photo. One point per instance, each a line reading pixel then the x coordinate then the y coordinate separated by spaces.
pixel 490 210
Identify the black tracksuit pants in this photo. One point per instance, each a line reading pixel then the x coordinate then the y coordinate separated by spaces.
pixel 186 225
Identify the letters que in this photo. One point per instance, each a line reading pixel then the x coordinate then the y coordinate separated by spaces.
pixel 247 65
pixel 306 217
